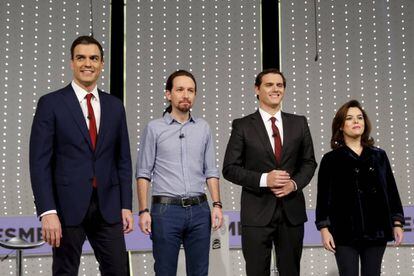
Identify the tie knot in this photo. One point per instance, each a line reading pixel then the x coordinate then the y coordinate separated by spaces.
pixel 273 119
pixel 89 97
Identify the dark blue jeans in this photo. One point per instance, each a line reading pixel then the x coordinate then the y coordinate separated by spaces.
pixel 173 225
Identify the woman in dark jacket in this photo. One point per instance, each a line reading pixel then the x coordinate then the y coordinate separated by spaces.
pixel 358 207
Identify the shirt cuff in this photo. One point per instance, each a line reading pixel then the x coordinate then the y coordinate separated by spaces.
pixel 143 173
pixel 295 186
pixel 48 213
pixel 263 180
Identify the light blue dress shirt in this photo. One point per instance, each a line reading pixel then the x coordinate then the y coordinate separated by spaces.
pixel 177 157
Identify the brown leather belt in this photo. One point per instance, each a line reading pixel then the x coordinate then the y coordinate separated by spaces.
pixel 181 201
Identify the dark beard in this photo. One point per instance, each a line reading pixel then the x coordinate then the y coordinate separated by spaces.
pixel 184 109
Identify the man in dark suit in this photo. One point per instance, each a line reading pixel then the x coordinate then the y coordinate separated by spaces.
pixel 270 154
pixel 80 167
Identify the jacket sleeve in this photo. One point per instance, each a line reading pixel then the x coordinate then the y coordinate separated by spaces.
pixel 306 159
pixel 323 194
pixel 124 164
pixel 41 151
pixel 394 200
pixel 233 165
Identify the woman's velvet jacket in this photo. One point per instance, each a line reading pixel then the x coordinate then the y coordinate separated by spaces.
pixel 357 196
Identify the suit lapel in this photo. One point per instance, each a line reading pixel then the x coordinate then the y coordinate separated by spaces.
pixel 72 103
pixel 287 132
pixel 104 120
pixel 261 131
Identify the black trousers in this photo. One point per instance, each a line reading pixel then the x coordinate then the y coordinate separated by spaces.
pixel 107 241
pixel 347 258
pixel 257 245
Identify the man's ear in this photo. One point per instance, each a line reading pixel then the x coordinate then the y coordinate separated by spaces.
pixel 168 95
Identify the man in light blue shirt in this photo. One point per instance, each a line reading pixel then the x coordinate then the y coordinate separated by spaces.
pixel 176 154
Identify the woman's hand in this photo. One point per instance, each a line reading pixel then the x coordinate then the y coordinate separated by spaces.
pixel 398 233
pixel 327 240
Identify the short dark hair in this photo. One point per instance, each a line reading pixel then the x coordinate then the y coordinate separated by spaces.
pixel 259 77
pixel 337 139
pixel 85 40
pixel 170 80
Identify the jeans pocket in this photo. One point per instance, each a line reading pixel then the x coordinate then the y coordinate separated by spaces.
pixel 158 209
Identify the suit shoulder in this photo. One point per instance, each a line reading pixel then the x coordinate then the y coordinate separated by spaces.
pixel 112 102
pixel 110 98
pixel 54 94
pixel 294 116
pixel 244 119
pixel 251 116
pixel 51 97
pixel 238 123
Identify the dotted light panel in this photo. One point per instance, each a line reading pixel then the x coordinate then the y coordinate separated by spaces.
pixel 365 52
pixel 35 39
pixel 219 42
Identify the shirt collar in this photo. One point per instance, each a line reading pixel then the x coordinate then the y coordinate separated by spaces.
pixel 266 116
pixel 169 119
pixel 81 93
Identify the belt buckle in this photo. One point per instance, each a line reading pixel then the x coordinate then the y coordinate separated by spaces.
pixel 183 202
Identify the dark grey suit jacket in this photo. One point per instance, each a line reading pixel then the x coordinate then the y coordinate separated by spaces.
pixel 249 154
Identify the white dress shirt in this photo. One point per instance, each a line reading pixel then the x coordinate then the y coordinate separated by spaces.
pixel 81 95
pixel 268 124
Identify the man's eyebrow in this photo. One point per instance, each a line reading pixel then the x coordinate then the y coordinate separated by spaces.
pixel 82 55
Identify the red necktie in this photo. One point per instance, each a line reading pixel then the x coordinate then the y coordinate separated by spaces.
pixel 278 141
pixel 92 122
pixel 93 133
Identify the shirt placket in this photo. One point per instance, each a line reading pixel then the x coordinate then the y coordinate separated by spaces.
pixel 184 158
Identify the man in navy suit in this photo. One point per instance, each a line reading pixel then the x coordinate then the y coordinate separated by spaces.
pixel 80 167
pixel 270 154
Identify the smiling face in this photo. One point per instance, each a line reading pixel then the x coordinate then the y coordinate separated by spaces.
pixel 354 124
pixel 86 64
pixel 270 92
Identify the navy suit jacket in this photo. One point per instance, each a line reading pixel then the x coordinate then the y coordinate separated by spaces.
pixel 249 154
pixel 63 163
